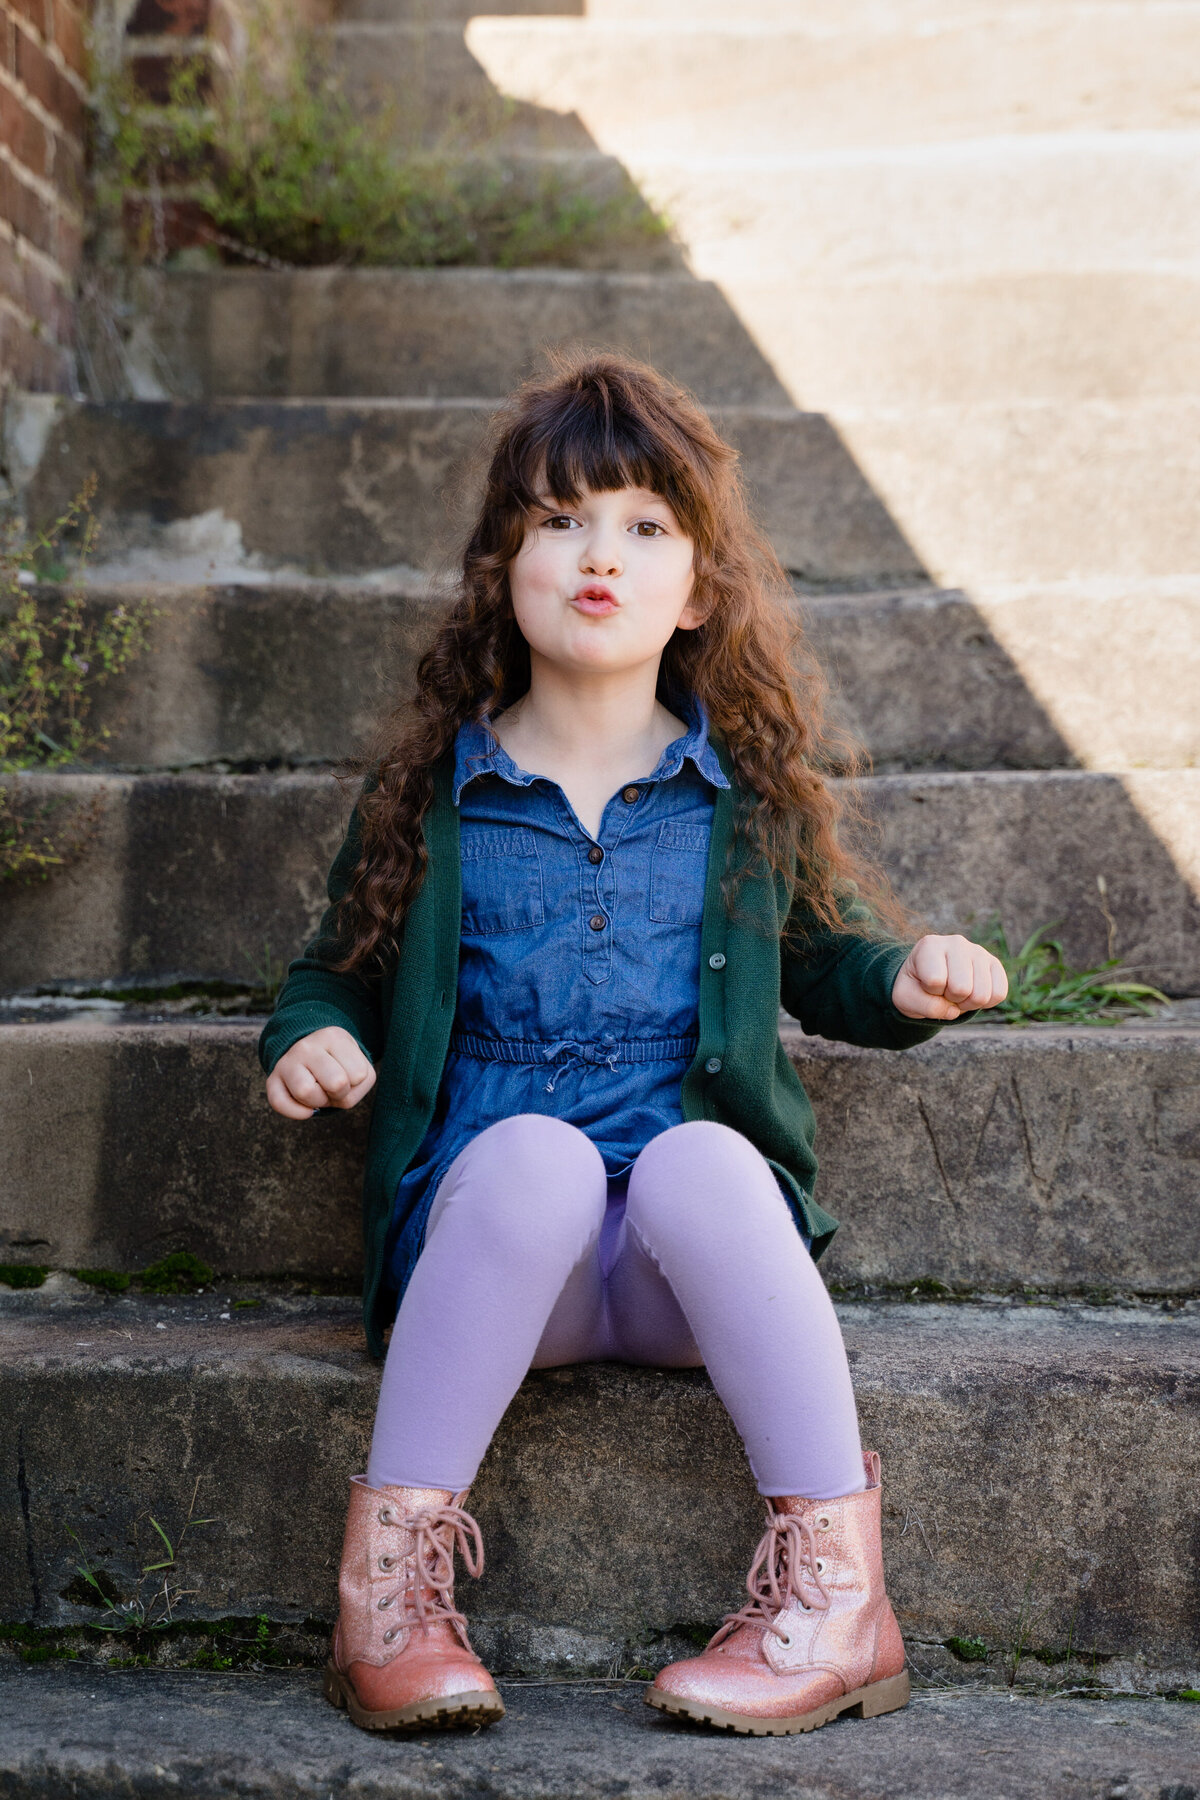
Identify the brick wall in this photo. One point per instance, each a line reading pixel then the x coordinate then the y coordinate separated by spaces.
pixel 42 108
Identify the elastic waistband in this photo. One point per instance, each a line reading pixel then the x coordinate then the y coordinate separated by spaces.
pixel 534 1050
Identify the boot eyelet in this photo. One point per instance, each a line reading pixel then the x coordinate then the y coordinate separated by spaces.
pixel 385 1517
pixel 823 1524
pixel 385 1562
pixel 389 1635
pixel 385 1603
pixel 820 1566
pixel 786 1642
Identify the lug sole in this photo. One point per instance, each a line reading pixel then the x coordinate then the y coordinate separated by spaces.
pixel 442 1713
pixel 864 1703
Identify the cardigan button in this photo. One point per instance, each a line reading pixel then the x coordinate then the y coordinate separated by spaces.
pixel 630 794
pixel 716 960
pixel 595 854
pixel 597 921
pixel 713 1065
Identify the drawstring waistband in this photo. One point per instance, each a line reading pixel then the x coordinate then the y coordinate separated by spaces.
pixel 568 1052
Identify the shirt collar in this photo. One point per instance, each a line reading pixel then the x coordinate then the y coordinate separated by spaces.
pixel 477 751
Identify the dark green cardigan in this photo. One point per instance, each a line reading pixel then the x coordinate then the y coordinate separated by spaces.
pixel 840 986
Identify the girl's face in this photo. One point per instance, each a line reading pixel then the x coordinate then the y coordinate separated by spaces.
pixel 600 586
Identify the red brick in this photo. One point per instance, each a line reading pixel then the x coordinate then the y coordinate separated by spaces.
pixel 68 244
pixel 37 14
pixel 48 85
pixel 32 360
pixel 23 133
pixel 26 211
pixel 153 76
pixel 68 37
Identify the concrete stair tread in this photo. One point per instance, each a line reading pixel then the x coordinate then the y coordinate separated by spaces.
pixel 1056 1157
pixel 199 876
pixel 296 670
pixel 1067 335
pixel 1093 489
pixel 84 1731
pixel 1021 1446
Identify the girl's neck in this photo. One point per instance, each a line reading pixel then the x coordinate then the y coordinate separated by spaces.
pixel 592 738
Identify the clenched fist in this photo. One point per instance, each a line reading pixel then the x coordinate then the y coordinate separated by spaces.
pixel 944 977
pixel 326 1068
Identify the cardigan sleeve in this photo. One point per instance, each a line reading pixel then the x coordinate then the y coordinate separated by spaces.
pixel 838 984
pixel 314 996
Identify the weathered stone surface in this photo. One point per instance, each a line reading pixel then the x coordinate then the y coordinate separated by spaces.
pixel 200 874
pixel 926 677
pixel 1051 1158
pixel 301 672
pixel 181 874
pixel 1025 1450
pixel 735 89
pixel 72 1732
pixel 170 1146
pixel 354 485
pixel 429 333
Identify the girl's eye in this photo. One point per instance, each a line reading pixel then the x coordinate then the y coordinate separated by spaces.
pixel 649 528
pixel 558 522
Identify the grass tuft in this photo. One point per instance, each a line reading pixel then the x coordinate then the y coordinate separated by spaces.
pixel 1044 989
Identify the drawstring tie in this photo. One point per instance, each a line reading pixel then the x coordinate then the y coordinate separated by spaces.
pixel 427 1592
pixel 577 1053
pixel 787 1553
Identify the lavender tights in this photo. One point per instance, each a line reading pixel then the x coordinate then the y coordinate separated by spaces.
pixel 533 1257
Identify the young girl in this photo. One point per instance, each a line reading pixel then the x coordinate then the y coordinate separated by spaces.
pixel 570 900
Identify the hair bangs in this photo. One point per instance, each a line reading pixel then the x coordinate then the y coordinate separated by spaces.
pixel 598 442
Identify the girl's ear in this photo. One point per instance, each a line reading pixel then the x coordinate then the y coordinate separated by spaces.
pixel 694 614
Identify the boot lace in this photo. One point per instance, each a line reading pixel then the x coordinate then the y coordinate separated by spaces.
pixel 786 1554
pixel 427 1593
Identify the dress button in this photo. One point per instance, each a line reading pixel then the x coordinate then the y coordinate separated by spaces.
pixel 595 854
pixel 716 960
pixel 713 1065
pixel 597 921
pixel 630 794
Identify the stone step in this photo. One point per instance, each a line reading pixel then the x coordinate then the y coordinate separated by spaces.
pixel 301 671
pixel 884 16
pixel 73 1730
pixel 267 334
pixel 1022 1448
pixel 645 87
pixel 209 876
pixel 426 333
pixel 347 486
pixel 1057 1159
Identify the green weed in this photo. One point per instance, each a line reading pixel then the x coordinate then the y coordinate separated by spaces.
pixel 293 171
pixel 109 1281
pixel 179 1273
pixel 967 1649
pixel 22 1275
pixel 1042 988
pixel 53 658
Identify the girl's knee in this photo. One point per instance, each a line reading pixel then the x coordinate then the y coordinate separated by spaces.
pixel 531 1182
pixel 693 1174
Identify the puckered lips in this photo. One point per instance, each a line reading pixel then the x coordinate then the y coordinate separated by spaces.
pixel 595 600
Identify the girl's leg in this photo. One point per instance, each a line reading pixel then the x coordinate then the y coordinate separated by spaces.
pixel 516 1212
pixel 705 1214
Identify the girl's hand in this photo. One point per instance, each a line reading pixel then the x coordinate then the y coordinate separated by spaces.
pixel 326 1068
pixel 944 977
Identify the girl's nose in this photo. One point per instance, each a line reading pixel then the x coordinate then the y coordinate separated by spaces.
pixel 599 558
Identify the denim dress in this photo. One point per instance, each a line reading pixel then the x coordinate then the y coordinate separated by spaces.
pixel 578 984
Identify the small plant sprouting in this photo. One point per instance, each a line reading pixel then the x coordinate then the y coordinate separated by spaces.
pixel 152 1607
pixel 53 656
pixel 967 1649
pixel 22 1275
pixel 1043 989
pixel 268 974
pixel 178 1273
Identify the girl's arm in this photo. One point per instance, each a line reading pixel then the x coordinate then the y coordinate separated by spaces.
pixel 842 985
pixel 314 998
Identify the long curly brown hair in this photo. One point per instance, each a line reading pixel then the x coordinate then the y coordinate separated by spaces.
pixel 599 422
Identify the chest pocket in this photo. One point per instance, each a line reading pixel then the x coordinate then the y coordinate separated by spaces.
pixel 501 879
pixel 678 867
